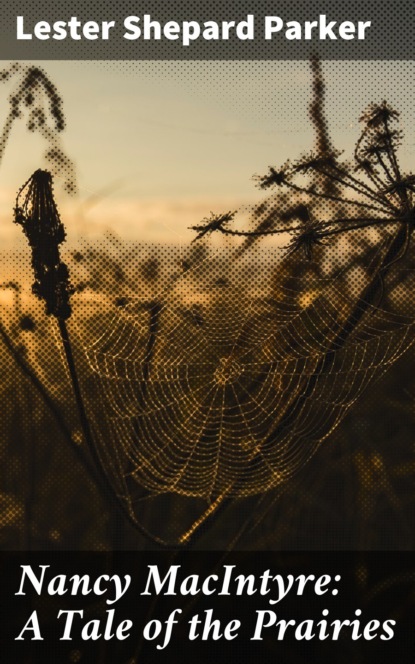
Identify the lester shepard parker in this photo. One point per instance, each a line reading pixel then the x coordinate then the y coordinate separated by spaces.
pixel 188 31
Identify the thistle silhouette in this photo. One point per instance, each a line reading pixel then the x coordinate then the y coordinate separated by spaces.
pixel 216 222
pixel 37 213
pixel 372 191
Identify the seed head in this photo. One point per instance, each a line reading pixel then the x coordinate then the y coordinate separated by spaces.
pixel 273 177
pixel 216 222
pixel 37 214
pixel 379 114
pixel 306 238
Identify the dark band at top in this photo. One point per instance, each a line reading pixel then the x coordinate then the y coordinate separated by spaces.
pixel 207 30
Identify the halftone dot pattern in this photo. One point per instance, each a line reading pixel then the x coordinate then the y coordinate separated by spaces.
pixel 388 37
pixel 35 97
pixel 213 372
pixel 229 391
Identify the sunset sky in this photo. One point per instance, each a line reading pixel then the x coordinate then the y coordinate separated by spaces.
pixel 159 145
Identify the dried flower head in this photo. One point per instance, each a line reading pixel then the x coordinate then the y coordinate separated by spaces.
pixel 38 215
pixel 216 222
pixel 273 177
pixel 378 114
pixel 306 238
pixel 381 196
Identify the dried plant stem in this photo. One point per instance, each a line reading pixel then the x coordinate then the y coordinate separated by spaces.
pixel 7 127
pixel 83 418
pixel 319 194
pixel 86 429
pixel 187 536
pixel 63 331
pixel 363 306
pixel 30 374
pixel 27 371
pixel 37 213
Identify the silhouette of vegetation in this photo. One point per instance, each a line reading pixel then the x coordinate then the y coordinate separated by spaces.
pixel 388 195
pixel 321 200
pixel 35 98
pixel 342 226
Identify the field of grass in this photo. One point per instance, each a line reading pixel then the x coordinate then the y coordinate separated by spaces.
pixel 209 375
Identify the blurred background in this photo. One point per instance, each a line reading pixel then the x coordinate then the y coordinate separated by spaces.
pixel 155 148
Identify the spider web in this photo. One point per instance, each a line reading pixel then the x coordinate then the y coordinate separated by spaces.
pixel 224 380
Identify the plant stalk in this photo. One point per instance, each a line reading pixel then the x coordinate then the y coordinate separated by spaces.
pixel 87 432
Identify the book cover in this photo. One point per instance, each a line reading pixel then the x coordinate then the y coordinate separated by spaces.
pixel 206 332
